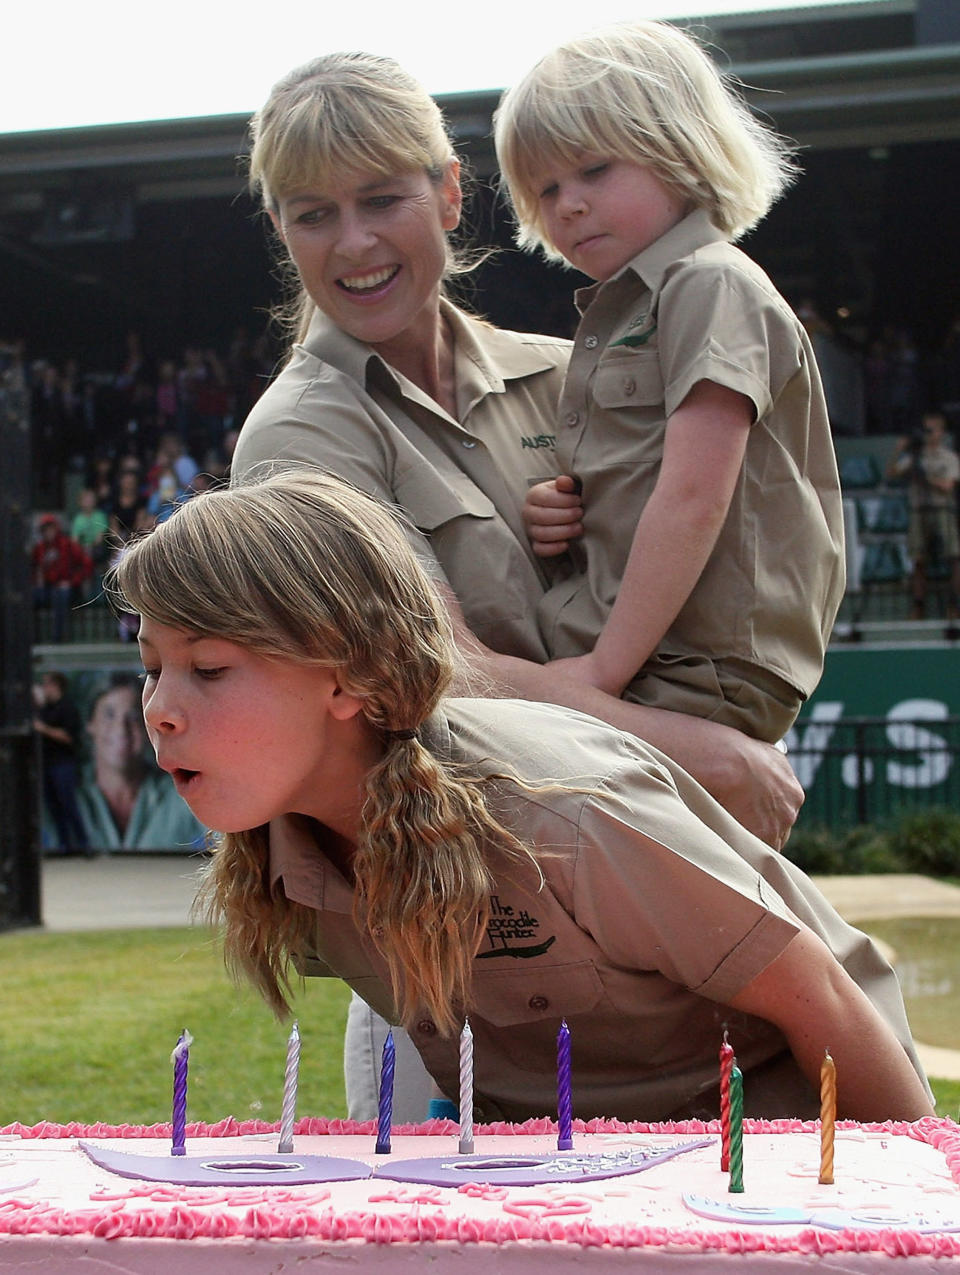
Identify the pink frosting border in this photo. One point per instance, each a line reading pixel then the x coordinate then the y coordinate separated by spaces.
pixel 293 1219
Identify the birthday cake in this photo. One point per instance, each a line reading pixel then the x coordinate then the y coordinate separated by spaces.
pixel 651 1197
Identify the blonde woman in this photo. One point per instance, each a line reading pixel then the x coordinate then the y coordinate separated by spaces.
pixel 296 660
pixel 391 387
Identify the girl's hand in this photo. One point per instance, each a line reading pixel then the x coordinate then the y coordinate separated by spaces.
pixel 552 514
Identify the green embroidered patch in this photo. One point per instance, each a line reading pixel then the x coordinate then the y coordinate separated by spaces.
pixel 633 339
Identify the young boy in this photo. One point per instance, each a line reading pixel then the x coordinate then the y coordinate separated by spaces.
pixel 692 423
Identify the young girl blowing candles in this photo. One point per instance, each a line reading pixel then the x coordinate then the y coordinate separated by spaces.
pixel 518 862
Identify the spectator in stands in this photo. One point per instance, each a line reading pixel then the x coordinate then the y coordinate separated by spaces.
pixel 930 462
pixel 102 484
pixel 61 567
pixel 184 466
pixel 57 722
pixel 168 397
pixel 48 425
pixel 168 494
pixel 89 528
pixel 129 512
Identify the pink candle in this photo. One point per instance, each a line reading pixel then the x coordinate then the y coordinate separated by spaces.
pixel 726 1066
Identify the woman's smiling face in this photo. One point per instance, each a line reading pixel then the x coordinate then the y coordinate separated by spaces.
pixel 371 249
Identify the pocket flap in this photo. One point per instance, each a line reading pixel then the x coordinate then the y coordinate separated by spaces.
pixel 629 382
pixel 509 996
pixel 431 499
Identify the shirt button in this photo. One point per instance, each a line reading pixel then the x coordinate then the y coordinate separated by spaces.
pixel 573 418
pixel 591 342
pixel 629 385
pixel 427 1027
pixel 538 1002
pixel 469 442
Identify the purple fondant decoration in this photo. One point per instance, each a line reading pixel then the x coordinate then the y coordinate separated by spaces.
pixel 228 1170
pixel 825 1219
pixel 15 1184
pixel 532 1170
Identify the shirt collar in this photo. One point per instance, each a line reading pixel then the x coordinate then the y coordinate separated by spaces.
pixel 297 859
pixel 483 367
pixel 696 230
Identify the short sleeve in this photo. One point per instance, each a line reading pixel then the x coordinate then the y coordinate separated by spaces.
pixel 659 890
pixel 719 323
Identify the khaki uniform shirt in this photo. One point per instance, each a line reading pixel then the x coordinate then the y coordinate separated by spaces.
pixel 692 307
pixel 655 909
pixel 462 482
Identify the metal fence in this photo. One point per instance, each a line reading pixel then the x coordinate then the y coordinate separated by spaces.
pixel 861 770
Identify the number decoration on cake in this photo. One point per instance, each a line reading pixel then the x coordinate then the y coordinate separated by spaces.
pixel 534 1170
pixel 828 1219
pixel 15 1182
pixel 226 1170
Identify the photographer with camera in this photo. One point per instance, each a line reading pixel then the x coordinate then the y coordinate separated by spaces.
pixel 928 458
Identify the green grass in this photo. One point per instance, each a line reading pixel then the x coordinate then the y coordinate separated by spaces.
pixel 90 1019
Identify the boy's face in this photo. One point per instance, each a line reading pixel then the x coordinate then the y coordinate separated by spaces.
pixel 599 213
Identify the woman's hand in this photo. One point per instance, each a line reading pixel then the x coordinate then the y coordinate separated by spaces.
pixel 552 513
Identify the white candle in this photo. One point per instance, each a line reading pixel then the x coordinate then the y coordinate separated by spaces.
pixel 290 1081
pixel 466 1089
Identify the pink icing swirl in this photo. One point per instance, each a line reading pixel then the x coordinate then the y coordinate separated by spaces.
pixel 192 1213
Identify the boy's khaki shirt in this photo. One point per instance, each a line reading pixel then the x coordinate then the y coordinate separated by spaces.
pixel 462 484
pixel 656 908
pixel 693 307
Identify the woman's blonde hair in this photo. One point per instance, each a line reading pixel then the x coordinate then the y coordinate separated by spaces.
pixel 343 113
pixel 648 93
pixel 303 567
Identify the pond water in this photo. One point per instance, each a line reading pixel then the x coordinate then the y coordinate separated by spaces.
pixel 927 958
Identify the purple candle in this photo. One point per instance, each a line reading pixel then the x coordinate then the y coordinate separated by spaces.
pixel 180 1059
pixel 385 1109
pixel 564 1096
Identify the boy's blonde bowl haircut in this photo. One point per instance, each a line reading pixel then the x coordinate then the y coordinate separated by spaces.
pixel 344 113
pixel 648 93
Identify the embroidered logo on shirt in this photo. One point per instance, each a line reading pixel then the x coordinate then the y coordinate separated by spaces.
pixel 539 440
pixel 507 924
pixel 633 339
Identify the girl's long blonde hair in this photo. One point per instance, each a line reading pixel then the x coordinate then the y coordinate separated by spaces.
pixel 648 93
pixel 303 567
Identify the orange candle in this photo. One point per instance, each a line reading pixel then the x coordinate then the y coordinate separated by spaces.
pixel 828 1116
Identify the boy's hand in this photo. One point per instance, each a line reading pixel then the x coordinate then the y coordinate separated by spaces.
pixel 585 670
pixel 552 513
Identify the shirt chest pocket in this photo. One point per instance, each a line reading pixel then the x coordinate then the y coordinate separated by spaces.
pixel 627 420
pixel 633 380
pixel 432 500
pixel 508 998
